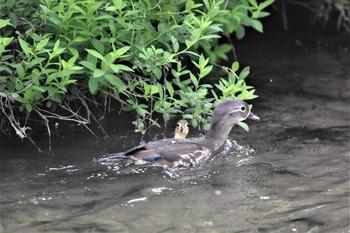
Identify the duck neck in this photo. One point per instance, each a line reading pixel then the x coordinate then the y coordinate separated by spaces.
pixel 218 133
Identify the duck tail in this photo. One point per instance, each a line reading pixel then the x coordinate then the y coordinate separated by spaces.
pixel 114 156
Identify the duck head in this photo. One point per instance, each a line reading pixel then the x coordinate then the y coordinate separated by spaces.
pixel 181 129
pixel 225 116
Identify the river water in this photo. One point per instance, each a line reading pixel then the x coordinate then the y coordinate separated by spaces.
pixel 290 173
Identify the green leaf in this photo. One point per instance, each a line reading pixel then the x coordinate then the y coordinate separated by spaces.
pixel 194 123
pixel 56 50
pixel 73 51
pixel 25 48
pixel 6 40
pixel 56 46
pixel 20 70
pixel 243 125
pixel 119 67
pixel 166 116
pixel 140 111
pixel 265 4
pixel 235 66
pixel 253 3
pixel 29 107
pixel 202 61
pixel 14 95
pixel 255 14
pixel 207 4
pixel 35 61
pixel 160 91
pixel 244 73
pixel 215 95
pixel 93 85
pixel 157 72
pixel 4 23
pixel 146 89
pixel 122 51
pixel 263 14
pixel 161 28
pixel 88 65
pixel 197 110
pixel 189 43
pixel 176 45
pixel 257 25
pixel 187 116
pixel 55 21
pixel 28 95
pixel 42 44
pixel 98 45
pixel 170 88
pixel 118 4
pixel 189 5
pixel 194 80
pixel 204 72
pixel 4 68
pixel 96 54
pixel 221 50
pixel 39 88
pixel 154 89
pixel 80 39
pixel 240 32
pixel 116 81
pixel 76 68
pixel 98 73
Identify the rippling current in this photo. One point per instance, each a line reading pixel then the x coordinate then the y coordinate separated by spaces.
pixel 290 173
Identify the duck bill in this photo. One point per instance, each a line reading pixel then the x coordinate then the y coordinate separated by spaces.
pixel 253 117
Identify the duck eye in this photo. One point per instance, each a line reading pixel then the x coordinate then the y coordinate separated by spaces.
pixel 243 108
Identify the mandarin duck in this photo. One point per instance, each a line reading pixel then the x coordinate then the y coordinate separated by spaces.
pixel 173 152
pixel 181 129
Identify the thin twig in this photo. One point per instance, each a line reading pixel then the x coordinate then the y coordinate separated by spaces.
pixel 98 122
pixel 87 109
pixel 46 122
pixel 284 16
pixel 104 108
pixel 66 118
pixel 89 113
pixel 66 107
pixel 90 130
pixel 233 49
pixel 20 131
pixel 109 103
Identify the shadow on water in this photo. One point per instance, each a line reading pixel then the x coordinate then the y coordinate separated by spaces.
pixel 289 174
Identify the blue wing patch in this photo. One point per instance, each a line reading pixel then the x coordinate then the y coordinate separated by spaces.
pixel 152 158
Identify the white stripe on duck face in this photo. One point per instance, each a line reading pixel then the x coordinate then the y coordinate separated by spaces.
pixel 191 159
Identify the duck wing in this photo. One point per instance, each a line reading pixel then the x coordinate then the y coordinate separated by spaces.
pixel 170 152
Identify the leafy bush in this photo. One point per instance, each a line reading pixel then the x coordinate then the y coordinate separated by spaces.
pixel 151 56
